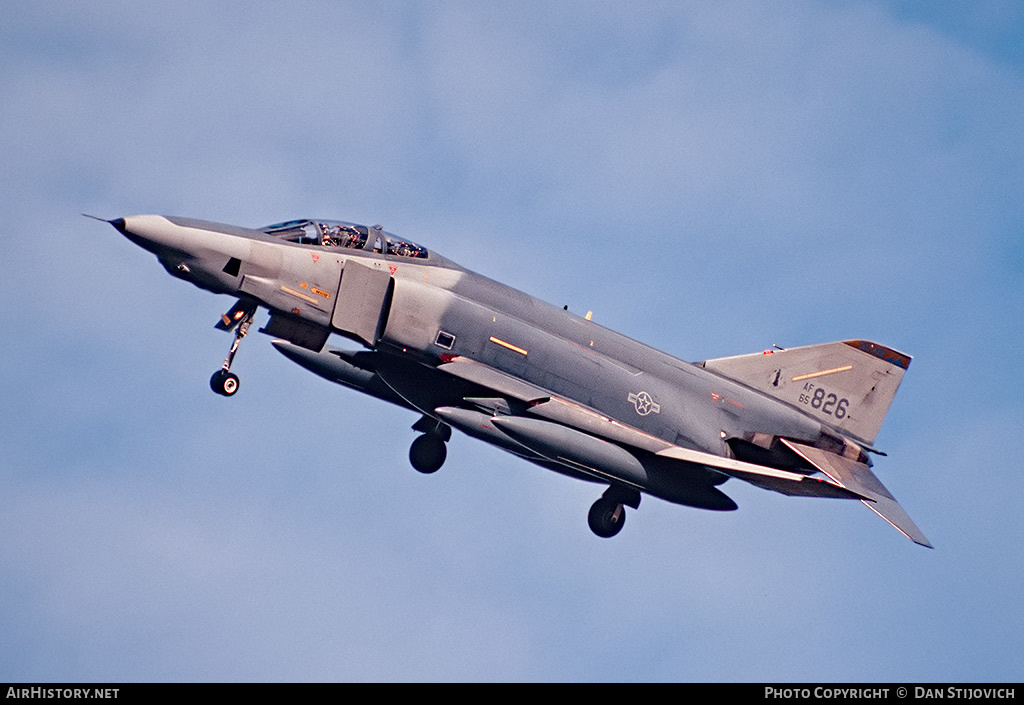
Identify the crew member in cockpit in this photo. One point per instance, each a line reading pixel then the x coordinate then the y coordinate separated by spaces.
pixel 348 237
pixel 325 235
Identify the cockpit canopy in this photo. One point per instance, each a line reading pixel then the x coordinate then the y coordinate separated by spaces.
pixel 336 233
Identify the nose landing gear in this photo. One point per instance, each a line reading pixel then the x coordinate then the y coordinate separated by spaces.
pixel 224 381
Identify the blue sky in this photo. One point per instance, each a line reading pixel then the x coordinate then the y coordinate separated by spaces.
pixel 710 178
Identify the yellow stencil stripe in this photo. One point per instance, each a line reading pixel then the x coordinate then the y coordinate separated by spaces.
pixel 510 346
pixel 823 373
pixel 302 296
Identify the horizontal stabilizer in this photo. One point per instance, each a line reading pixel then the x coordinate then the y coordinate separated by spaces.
pixel 857 477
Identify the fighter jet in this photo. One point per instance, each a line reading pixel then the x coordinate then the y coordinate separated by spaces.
pixel 465 352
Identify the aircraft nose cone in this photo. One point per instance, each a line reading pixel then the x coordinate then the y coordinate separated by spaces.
pixel 150 232
pixel 121 225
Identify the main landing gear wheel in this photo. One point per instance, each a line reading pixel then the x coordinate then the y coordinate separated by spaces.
pixel 427 453
pixel 224 383
pixel 606 517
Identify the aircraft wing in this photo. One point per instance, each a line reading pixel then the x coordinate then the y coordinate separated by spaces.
pixel 544 405
pixel 783 481
pixel 487 376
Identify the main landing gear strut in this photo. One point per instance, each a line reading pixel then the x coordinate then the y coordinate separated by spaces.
pixel 224 381
pixel 606 518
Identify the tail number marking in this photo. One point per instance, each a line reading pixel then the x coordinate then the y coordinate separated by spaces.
pixel 822 400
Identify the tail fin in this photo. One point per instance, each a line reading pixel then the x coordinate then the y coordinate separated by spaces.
pixel 848 385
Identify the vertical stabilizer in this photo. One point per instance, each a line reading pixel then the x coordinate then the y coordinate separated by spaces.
pixel 848 385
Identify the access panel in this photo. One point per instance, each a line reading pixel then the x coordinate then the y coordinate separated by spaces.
pixel 361 304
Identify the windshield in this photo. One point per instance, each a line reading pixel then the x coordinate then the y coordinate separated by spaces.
pixel 334 233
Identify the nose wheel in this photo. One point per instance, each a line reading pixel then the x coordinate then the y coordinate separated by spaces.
pixel 224 381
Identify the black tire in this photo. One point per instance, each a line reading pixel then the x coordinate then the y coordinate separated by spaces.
pixel 427 454
pixel 606 518
pixel 224 383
